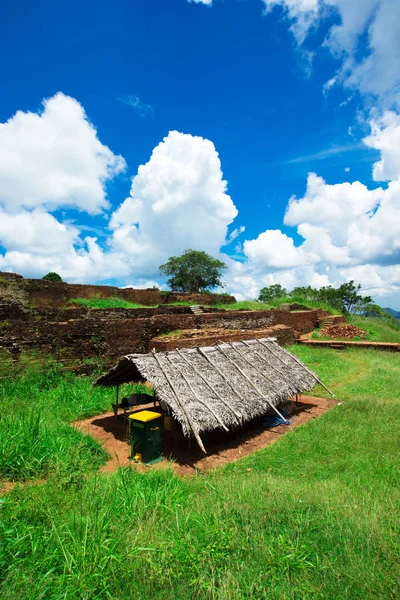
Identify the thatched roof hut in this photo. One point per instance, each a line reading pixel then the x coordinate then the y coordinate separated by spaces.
pixel 215 387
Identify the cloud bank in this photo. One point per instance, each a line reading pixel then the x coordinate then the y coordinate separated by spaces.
pixel 179 200
pixel 54 160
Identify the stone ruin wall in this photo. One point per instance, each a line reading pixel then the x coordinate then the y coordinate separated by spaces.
pixel 57 294
pixel 111 333
pixel 34 317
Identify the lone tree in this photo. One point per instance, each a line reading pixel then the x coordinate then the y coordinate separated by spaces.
pixel 193 271
pixel 52 277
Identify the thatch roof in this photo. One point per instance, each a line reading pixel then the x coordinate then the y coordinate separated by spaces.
pixel 215 387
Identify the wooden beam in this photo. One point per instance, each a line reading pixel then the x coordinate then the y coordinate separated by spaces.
pixel 237 415
pixel 268 363
pixel 299 363
pixel 195 395
pixel 250 382
pixel 190 424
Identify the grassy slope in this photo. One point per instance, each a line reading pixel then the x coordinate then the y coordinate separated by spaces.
pixel 314 516
pixel 35 436
pixel 378 329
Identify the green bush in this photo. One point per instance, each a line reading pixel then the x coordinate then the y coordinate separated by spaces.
pixel 52 277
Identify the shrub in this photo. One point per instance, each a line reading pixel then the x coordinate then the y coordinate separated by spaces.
pixel 52 277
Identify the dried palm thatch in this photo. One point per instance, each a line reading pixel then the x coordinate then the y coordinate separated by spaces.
pixel 222 386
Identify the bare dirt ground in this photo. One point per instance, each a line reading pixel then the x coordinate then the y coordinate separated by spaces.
pixel 343 331
pixel 221 447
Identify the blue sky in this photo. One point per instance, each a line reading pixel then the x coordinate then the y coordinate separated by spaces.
pixel 278 88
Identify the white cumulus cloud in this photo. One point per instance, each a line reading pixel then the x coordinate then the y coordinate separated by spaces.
pixel 54 158
pixel 348 231
pixel 273 249
pixel 376 72
pixel 385 137
pixel 49 160
pixel 178 200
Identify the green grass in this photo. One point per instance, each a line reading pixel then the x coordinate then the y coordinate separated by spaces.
pixel 106 303
pixel 97 303
pixel 314 516
pixel 254 305
pixel 377 329
pixel 175 333
pixel 35 434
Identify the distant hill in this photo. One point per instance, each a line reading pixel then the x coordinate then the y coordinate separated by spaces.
pixel 394 313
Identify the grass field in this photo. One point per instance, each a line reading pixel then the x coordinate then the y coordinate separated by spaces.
pixel 254 305
pixel 245 305
pixel 314 516
pixel 106 303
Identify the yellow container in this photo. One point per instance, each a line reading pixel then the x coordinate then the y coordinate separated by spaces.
pixel 145 436
pixel 145 416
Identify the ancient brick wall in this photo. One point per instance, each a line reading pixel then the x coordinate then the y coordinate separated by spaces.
pixel 301 321
pixel 199 299
pixel 109 333
pixel 39 292
pixel 58 294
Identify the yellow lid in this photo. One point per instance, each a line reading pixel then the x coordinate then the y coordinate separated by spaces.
pixel 145 415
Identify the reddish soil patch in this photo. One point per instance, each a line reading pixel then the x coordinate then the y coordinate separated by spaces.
pixel 8 486
pixel 221 447
pixel 343 332
pixel 112 434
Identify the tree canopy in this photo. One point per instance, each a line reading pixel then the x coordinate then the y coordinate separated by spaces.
pixel 272 292
pixel 52 276
pixel 193 271
pixel 345 298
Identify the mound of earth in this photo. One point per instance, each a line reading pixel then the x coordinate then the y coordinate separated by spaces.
pixel 343 331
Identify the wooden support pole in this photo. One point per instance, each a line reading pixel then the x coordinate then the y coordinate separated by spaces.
pixel 250 382
pixel 189 422
pixel 116 402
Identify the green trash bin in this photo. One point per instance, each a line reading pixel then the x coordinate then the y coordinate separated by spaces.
pixel 145 436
